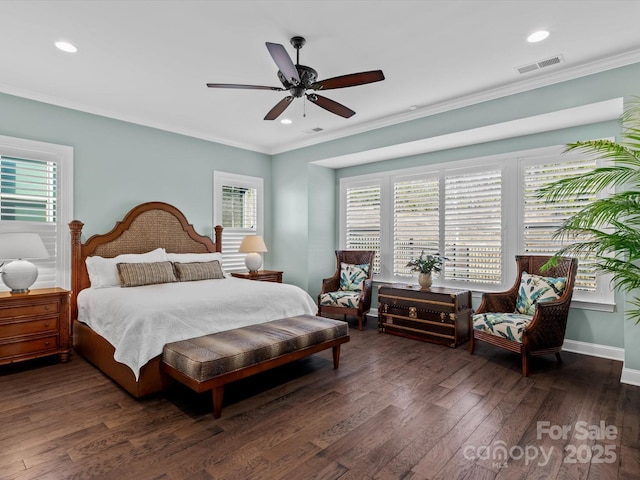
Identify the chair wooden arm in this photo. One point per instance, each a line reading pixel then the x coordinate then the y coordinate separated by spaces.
pixel 498 302
pixel 331 284
pixel 365 298
pixel 548 325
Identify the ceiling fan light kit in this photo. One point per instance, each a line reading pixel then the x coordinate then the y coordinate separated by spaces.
pixel 298 79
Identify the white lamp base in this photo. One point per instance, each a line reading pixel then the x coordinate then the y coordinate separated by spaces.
pixel 19 275
pixel 253 261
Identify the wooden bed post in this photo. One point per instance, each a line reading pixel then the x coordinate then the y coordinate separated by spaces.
pixel 76 262
pixel 218 237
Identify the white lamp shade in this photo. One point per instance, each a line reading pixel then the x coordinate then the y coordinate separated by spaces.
pixel 21 245
pixel 20 274
pixel 253 246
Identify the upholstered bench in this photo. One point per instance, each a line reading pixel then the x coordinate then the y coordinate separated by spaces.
pixel 211 361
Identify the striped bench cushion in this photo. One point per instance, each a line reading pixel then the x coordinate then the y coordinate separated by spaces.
pixel 210 356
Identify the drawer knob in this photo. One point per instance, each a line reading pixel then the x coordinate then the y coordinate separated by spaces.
pixel 47 308
pixel 47 343
pixel 46 324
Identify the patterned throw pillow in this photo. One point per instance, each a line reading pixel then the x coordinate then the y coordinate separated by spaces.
pixel 352 277
pixel 137 274
pixel 535 289
pixel 189 272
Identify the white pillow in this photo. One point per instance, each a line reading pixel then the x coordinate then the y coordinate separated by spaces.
pixel 194 257
pixel 103 272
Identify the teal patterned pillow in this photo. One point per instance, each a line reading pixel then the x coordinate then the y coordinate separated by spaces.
pixel 535 289
pixel 352 277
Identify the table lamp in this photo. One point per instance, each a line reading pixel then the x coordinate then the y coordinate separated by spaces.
pixel 20 274
pixel 253 246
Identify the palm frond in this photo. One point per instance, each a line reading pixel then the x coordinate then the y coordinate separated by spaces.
pixel 607 230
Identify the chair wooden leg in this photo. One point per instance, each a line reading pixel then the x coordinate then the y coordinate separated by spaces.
pixel 472 342
pixel 525 363
pixel 558 357
pixel 360 322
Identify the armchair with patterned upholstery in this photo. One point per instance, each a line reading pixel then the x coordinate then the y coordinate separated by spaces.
pixel 348 291
pixel 531 317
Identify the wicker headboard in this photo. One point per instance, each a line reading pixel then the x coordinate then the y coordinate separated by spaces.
pixel 146 227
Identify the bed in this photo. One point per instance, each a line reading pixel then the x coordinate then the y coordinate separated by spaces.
pixel 106 337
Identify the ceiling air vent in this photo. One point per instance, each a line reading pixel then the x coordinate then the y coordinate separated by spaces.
pixel 541 64
pixel 317 129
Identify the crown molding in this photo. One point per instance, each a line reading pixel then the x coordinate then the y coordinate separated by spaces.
pixel 552 78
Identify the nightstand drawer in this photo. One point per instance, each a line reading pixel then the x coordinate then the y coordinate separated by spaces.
pixel 28 327
pixel 29 346
pixel 30 310
pixel 271 278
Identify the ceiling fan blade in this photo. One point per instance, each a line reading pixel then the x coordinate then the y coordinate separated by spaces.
pixel 284 62
pixel 330 105
pixel 248 87
pixel 280 107
pixel 350 80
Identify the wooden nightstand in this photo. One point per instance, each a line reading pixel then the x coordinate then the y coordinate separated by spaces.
pixel 260 275
pixel 34 324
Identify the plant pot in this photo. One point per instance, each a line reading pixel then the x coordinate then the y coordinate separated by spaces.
pixel 424 279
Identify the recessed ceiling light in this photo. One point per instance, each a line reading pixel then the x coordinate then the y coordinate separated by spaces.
pixel 285 121
pixel 66 47
pixel 537 36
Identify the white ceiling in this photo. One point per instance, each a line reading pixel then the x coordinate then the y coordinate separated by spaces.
pixel 148 61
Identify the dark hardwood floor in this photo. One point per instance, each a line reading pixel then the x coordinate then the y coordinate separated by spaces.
pixel 395 409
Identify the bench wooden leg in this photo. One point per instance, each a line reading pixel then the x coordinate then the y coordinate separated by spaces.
pixel 336 356
pixel 217 393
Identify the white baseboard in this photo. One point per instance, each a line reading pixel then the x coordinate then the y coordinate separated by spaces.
pixel 594 350
pixel 629 376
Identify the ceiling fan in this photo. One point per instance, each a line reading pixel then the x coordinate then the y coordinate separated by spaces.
pixel 298 79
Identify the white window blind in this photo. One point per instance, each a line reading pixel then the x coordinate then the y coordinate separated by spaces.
pixel 36 197
pixel 238 203
pixel 541 219
pixel 416 221
pixel 480 213
pixel 362 223
pixel 473 226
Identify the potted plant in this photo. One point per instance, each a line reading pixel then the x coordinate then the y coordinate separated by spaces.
pixel 425 265
pixel 608 229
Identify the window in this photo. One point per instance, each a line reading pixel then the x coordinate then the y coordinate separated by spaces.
pixel 238 207
pixel 479 213
pixel 362 220
pixel 473 225
pixel 36 196
pixel 541 219
pixel 416 220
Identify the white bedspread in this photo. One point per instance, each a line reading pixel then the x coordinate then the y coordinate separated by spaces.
pixel 139 321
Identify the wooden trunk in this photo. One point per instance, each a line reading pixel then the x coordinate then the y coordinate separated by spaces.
pixel 438 315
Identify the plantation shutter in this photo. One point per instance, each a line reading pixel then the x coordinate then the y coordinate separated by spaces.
pixel 239 218
pixel 362 224
pixel 473 226
pixel 541 219
pixel 416 221
pixel 29 203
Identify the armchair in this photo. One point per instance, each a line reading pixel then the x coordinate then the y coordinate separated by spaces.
pixel 348 291
pixel 531 317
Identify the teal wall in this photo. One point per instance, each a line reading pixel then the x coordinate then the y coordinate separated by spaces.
pixel 119 164
pixel 603 328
